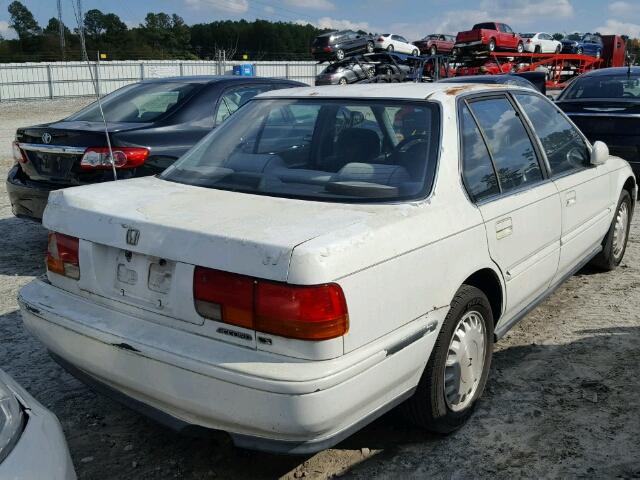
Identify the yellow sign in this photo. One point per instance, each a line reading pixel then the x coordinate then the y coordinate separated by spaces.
pixel 103 56
pixel 245 56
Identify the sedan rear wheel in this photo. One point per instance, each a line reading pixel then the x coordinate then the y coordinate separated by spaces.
pixel 342 81
pixel 390 48
pixel 457 370
pixel 558 48
pixel 369 47
pixel 415 53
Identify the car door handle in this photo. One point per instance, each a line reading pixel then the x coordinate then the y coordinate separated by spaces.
pixel 504 228
pixel 570 199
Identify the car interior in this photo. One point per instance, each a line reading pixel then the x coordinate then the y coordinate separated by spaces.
pixel 325 150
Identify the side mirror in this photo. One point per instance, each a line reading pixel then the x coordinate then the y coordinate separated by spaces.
pixel 599 153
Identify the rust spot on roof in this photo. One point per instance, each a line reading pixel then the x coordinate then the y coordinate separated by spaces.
pixel 456 90
pixel 313 94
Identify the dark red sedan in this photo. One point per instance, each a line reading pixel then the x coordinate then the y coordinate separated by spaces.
pixel 435 44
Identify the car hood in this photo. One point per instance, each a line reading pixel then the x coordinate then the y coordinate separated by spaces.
pixel 237 232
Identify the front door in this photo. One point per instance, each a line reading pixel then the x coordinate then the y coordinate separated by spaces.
pixel 522 212
pixel 585 191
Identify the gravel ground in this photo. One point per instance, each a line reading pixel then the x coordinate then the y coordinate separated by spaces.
pixel 562 397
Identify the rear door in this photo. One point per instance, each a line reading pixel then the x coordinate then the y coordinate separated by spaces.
pixel 585 191
pixel 519 205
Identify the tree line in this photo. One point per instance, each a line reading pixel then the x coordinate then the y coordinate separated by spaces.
pixel 164 36
pixel 160 36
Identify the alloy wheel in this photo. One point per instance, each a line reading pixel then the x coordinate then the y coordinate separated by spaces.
pixel 620 230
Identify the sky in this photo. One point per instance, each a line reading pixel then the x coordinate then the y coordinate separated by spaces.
pixel 411 18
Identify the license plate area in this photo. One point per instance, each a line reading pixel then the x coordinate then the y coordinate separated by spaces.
pixel 144 280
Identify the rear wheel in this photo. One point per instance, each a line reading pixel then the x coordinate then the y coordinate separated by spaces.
pixel 415 53
pixel 342 81
pixel 433 50
pixel 369 47
pixel 538 49
pixel 579 51
pixel 492 45
pixel 615 243
pixel 520 47
pixel 340 54
pixel 457 370
pixel 558 48
pixel 390 48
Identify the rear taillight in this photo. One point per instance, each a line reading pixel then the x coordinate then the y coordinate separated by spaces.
pixel 18 153
pixel 315 312
pixel 327 49
pixel 99 158
pixel 529 40
pixel 380 39
pixel 62 255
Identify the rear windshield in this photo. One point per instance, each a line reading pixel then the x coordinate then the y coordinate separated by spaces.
pixel 527 35
pixel 485 26
pixel 138 103
pixel 321 41
pixel 623 87
pixel 320 149
pixel 574 36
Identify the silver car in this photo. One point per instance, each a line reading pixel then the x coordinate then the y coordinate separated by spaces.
pixel 32 444
pixel 347 71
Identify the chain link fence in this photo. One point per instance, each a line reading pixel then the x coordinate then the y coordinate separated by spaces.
pixel 21 81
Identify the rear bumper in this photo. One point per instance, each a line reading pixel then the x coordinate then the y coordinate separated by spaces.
pixel 28 199
pixel 474 43
pixel 41 451
pixel 185 380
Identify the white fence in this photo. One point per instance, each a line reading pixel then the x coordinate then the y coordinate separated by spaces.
pixel 73 79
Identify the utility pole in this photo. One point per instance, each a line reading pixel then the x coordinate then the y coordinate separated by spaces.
pixel 83 46
pixel 61 29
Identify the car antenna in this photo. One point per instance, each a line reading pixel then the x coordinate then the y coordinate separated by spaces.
pixel 78 14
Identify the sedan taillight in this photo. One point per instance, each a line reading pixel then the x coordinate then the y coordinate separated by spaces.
pixel 99 158
pixel 304 312
pixel 380 39
pixel 18 153
pixel 62 255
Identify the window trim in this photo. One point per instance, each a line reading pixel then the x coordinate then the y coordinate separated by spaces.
pixel 473 97
pixel 551 175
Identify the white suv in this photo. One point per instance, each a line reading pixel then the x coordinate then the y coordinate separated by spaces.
pixel 395 43
pixel 325 255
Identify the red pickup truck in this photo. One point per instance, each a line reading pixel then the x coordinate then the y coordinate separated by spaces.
pixel 489 36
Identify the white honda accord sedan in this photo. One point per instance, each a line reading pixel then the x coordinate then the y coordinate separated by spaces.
pixel 326 254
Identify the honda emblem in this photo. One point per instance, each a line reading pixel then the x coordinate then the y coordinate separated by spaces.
pixel 133 236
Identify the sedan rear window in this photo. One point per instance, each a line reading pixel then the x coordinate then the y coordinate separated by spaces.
pixel 600 86
pixel 321 149
pixel 138 103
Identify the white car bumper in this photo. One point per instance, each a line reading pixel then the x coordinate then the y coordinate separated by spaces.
pixel 529 47
pixel 265 401
pixel 41 450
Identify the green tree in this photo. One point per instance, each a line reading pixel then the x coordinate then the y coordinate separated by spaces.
pixel 23 21
pixel 558 36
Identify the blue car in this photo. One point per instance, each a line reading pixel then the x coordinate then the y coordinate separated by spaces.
pixel 582 44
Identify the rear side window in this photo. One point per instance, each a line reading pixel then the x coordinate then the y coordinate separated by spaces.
pixel 233 99
pixel 565 148
pixel 508 141
pixel 477 170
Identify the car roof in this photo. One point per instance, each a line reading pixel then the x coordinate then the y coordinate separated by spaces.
pixel 209 79
pixel 406 91
pixel 612 71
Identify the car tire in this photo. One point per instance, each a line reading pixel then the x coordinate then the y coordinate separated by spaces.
pixel 433 50
pixel 415 53
pixel 537 49
pixel 370 47
pixel 558 48
pixel 369 72
pixel 579 51
pixel 342 81
pixel 598 54
pixel 433 405
pixel 492 45
pixel 520 47
pixel 614 244
pixel 390 48
pixel 340 54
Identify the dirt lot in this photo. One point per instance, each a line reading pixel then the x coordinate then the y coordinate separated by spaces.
pixel 562 399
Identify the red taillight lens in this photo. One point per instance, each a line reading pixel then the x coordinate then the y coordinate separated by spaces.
pixel 18 153
pixel 316 312
pixel 327 49
pixel 380 39
pixel 529 40
pixel 223 296
pixel 62 255
pixel 99 158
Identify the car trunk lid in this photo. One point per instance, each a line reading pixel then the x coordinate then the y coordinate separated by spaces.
pixel 142 237
pixel 54 151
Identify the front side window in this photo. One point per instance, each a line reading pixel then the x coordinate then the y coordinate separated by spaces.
pixel 138 103
pixel 565 148
pixel 233 99
pixel 477 169
pixel 508 141
pixel 321 149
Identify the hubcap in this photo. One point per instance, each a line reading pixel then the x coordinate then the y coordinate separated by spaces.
pixel 465 361
pixel 620 230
